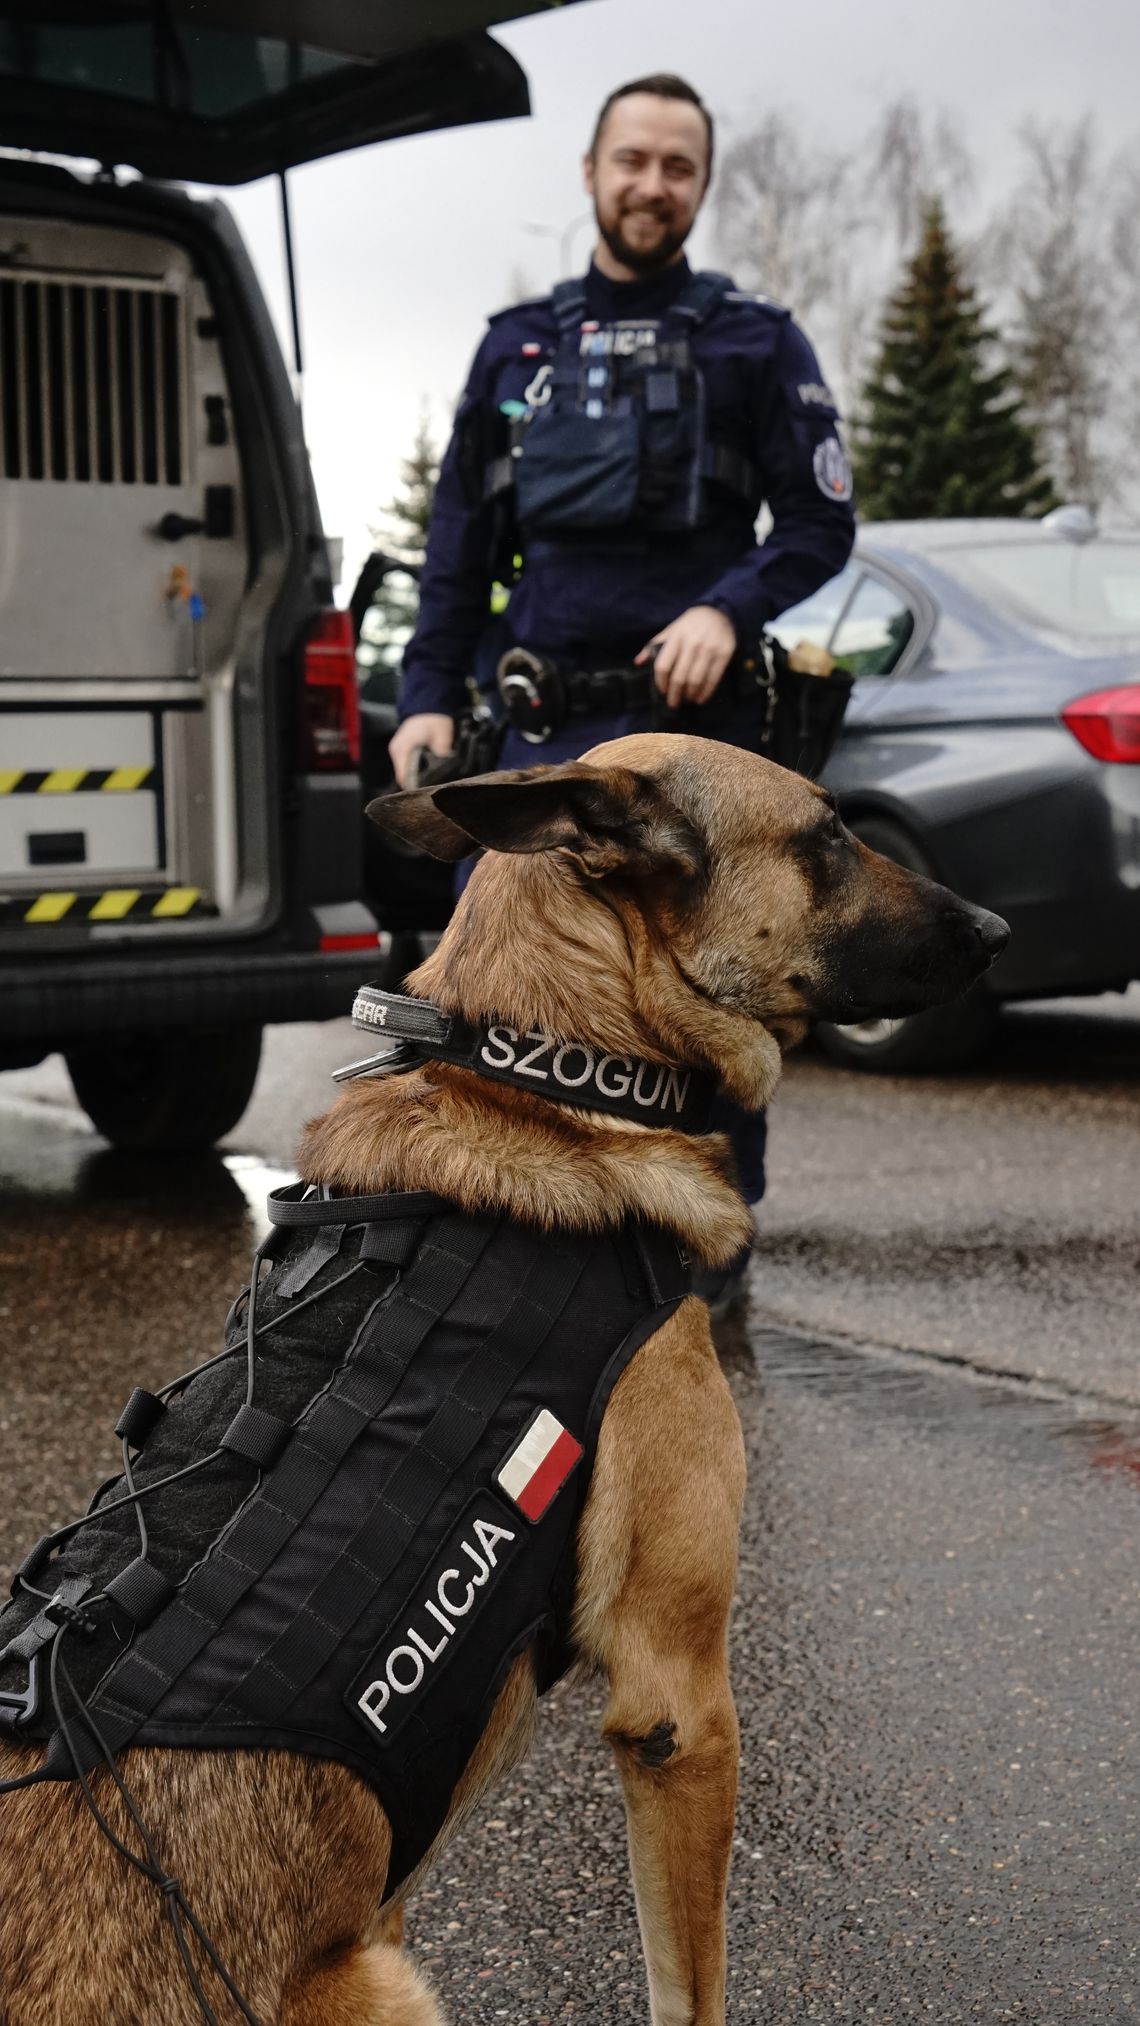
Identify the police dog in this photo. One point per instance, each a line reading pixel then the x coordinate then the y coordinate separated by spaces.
pixel 666 897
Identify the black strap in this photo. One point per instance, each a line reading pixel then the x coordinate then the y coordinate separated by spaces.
pixel 296 1208
pixel 257 1435
pixel 731 469
pixel 140 1590
pixel 700 296
pixel 568 301
pixel 139 1415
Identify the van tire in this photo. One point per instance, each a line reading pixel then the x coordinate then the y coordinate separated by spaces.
pixel 945 1038
pixel 166 1093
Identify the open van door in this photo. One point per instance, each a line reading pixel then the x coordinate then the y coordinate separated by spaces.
pixel 180 794
pixel 223 91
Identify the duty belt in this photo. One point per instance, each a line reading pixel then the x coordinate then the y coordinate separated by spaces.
pixel 538 696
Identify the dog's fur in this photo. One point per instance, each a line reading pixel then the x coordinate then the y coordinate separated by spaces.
pixel 669 898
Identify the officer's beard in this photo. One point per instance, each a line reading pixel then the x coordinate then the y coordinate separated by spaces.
pixel 642 259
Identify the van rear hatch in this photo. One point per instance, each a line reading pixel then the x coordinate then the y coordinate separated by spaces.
pixel 221 91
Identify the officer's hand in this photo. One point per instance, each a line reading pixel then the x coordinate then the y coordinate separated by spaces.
pixel 692 655
pixel 430 728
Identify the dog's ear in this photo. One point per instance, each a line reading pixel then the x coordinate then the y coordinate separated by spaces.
pixel 414 819
pixel 609 820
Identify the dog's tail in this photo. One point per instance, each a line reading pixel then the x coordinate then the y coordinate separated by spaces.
pixel 374 1984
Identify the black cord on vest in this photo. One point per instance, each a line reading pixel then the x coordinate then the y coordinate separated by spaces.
pixel 149 1866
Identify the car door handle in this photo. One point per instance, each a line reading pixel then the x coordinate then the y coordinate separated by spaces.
pixel 174 527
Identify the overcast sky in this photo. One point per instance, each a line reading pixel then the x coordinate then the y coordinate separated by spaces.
pixel 403 249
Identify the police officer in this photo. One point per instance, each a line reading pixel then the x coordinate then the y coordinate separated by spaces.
pixel 622 435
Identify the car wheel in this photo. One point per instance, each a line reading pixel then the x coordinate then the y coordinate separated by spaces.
pixel 166 1093
pixel 947 1037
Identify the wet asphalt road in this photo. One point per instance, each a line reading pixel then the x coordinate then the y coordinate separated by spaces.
pixel 938 1622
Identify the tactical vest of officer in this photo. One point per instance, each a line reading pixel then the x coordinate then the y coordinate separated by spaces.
pixel 613 434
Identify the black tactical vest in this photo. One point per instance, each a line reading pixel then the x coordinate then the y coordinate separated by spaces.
pixel 392 1457
pixel 614 435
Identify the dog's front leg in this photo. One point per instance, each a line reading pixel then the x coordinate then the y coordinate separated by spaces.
pixel 657 1565
pixel 673 1729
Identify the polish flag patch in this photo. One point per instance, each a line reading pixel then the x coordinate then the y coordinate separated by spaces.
pixel 531 351
pixel 539 1465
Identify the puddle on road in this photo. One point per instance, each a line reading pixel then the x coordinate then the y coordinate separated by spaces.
pixel 941 1398
pixel 255 1178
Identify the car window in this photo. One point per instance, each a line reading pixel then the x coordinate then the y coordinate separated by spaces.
pixel 873 631
pixel 385 630
pixel 814 618
pixel 1090 590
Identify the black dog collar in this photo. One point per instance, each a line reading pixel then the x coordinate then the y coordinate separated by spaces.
pixel 571 1072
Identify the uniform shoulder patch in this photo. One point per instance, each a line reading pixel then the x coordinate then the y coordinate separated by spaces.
pixel 832 470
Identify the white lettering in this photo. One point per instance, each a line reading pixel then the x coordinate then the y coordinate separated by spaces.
pixel 522 1066
pixel 619 1087
pixel 488 1535
pixel 375 1698
pixel 504 1060
pixel 677 1088
pixel 480 1564
pixel 456 1610
pixel 371 1015
pixel 404 1687
pixel 406 1666
pixel 574 1048
pixel 624 340
pixel 429 1652
pixel 639 1096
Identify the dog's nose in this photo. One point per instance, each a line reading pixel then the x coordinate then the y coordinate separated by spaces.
pixel 991 931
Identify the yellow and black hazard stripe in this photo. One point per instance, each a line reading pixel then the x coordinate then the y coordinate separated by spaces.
pixel 116 904
pixel 75 780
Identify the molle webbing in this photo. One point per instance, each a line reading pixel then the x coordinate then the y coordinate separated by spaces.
pixel 454 1335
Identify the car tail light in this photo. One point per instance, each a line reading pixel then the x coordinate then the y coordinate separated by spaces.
pixel 1107 723
pixel 331 707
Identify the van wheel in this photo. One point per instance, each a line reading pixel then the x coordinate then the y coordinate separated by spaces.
pixel 166 1093
pixel 947 1037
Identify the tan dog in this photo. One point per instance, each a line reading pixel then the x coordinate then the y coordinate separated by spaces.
pixel 670 898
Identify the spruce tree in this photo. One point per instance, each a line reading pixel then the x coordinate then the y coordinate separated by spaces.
pixel 403 530
pixel 942 431
pixel 391 601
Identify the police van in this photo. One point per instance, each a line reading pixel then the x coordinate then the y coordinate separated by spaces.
pixel 180 802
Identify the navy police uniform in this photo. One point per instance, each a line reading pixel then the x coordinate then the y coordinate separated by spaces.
pixel 623 437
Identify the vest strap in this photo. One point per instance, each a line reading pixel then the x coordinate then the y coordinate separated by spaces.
pixel 140 1590
pixel 731 469
pixel 568 301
